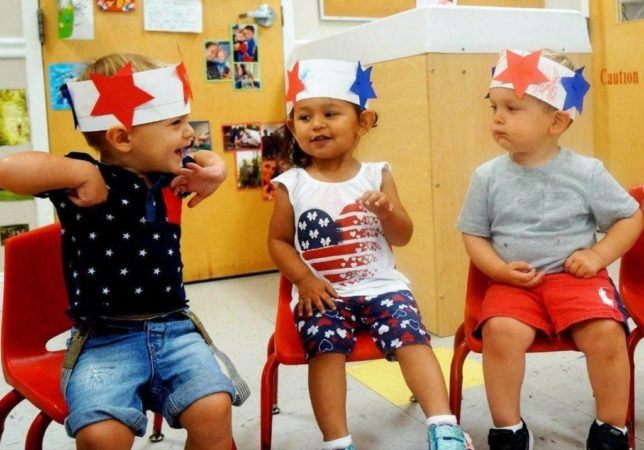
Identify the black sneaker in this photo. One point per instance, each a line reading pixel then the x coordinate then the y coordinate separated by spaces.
pixel 510 440
pixel 606 437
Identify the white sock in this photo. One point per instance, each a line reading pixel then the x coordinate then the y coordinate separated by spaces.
pixel 444 419
pixel 513 428
pixel 623 430
pixel 337 444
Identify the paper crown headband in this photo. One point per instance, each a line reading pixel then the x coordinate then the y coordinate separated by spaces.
pixel 128 98
pixel 332 78
pixel 541 77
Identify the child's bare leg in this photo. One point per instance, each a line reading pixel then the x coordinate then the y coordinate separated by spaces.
pixel 424 378
pixel 328 391
pixel 505 342
pixel 208 422
pixel 604 344
pixel 105 435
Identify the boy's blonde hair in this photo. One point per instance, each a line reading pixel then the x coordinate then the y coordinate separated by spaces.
pixel 559 58
pixel 108 65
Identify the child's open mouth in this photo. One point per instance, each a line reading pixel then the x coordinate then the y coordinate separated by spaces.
pixel 320 138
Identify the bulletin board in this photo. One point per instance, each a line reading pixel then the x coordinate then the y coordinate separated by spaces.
pixel 226 234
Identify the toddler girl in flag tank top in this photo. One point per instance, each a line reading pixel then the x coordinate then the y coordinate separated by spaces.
pixel 334 222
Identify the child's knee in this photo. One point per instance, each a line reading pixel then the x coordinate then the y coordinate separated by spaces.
pixel 602 338
pixel 506 331
pixel 213 412
pixel 106 434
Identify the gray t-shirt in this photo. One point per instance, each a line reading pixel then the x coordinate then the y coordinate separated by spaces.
pixel 542 215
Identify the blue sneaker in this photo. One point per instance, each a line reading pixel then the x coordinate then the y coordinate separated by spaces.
pixel 446 437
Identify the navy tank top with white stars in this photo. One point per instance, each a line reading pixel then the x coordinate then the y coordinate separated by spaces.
pixel 122 257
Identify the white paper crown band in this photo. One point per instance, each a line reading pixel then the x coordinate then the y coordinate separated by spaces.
pixel 164 85
pixel 541 77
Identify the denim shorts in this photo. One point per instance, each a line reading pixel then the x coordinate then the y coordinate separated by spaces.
pixel 128 367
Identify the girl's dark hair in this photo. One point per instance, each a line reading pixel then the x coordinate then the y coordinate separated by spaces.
pixel 290 149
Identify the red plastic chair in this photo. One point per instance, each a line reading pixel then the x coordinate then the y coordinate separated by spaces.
pixel 285 347
pixel 631 288
pixel 465 341
pixel 34 305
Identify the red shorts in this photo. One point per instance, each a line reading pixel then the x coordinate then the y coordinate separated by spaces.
pixel 558 302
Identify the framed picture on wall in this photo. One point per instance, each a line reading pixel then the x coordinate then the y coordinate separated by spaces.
pixel 218 60
pixel 248 164
pixel 242 136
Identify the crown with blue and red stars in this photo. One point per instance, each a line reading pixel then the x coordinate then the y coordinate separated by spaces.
pixel 536 75
pixel 331 78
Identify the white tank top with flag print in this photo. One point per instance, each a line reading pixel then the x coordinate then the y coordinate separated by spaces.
pixel 338 239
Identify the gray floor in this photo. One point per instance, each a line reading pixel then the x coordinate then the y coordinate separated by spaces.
pixel 557 402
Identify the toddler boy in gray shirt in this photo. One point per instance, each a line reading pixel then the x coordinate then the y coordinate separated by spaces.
pixel 529 222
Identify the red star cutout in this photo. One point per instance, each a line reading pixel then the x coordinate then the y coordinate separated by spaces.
pixel 118 95
pixel 295 85
pixel 183 76
pixel 522 71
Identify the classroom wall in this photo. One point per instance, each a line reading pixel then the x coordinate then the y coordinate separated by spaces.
pixel 226 234
pixel 619 108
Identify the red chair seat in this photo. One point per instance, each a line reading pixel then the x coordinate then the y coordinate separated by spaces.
pixel 42 385
pixel 285 347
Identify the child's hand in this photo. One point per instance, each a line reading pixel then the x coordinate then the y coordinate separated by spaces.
pixel 377 202
pixel 92 190
pixel 202 181
pixel 314 293
pixel 584 264
pixel 519 274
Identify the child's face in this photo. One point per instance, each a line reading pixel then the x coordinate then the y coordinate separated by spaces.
pixel 211 52
pixel 222 55
pixel 520 125
pixel 248 34
pixel 157 146
pixel 239 35
pixel 327 128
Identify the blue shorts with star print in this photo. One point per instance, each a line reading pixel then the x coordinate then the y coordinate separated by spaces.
pixel 392 320
pixel 128 367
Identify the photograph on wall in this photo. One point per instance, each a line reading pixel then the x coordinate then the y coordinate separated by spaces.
pixel 201 140
pixel 14 118
pixel 274 161
pixel 248 163
pixel 9 231
pixel 76 19
pixel 116 5
pixel 247 76
pixel 218 60
pixel 242 136
pixel 59 74
pixel 244 39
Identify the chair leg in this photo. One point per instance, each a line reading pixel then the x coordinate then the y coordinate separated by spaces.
pixel 234 447
pixel 456 373
pixel 268 395
pixel 270 350
pixel 633 339
pixel 7 404
pixel 157 435
pixel 36 432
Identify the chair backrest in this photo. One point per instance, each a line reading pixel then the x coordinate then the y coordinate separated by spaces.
pixel 477 284
pixel 35 296
pixel 631 272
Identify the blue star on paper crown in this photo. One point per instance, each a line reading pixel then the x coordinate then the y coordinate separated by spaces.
pixel 362 86
pixel 576 87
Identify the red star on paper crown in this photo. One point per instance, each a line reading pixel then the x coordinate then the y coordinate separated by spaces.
pixel 182 72
pixel 522 71
pixel 118 95
pixel 295 85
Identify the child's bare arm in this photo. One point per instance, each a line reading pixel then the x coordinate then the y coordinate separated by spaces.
pixel 202 178
pixel 515 273
pixel 35 172
pixel 396 223
pixel 313 291
pixel 619 238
